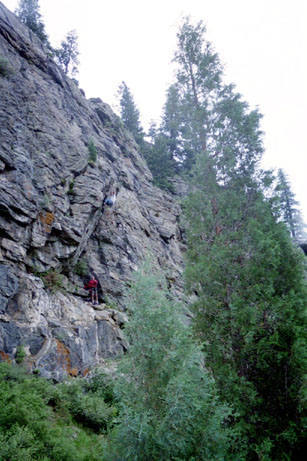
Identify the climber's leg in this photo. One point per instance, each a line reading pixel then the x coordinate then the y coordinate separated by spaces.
pixel 92 296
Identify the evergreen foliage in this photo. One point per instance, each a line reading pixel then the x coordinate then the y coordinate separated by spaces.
pixel 20 354
pixel 246 274
pixel 203 115
pixel 155 149
pixel 169 409
pixel 28 12
pixel 189 111
pixel 238 397
pixel 288 206
pixel 159 159
pixel 249 313
pixel 67 55
pixel 130 114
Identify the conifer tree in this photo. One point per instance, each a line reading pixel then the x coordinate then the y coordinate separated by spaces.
pixel 173 124
pixel 192 98
pixel 290 214
pixel 249 312
pixel 28 12
pixel 67 54
pixel 241 264
pixel 130 114
pixel 203 115
pixel 159 158
pixel 248 278
pixel 156 148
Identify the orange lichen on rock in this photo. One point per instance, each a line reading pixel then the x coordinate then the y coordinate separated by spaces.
pixel 5 357
pixel 73 372
pixel 46 219
pixel 63 357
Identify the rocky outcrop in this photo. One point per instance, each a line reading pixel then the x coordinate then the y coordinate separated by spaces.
pixel 52 229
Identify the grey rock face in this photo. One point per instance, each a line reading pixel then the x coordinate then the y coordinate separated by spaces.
pixel 52 229
pixel 8 286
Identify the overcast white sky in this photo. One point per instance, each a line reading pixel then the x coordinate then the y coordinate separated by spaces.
pixel 262 44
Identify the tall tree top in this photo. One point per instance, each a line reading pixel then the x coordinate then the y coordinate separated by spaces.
pixel 289 211
pixel 130 114
pixel 67 55
pixel 28 12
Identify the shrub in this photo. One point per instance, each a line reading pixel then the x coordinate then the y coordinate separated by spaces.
pixel 169 405
pixel 36 421
pixel 52 279
pixel 20 354
pixel 71 188
pixel 88 408
pixel 102 385
pixel 81 268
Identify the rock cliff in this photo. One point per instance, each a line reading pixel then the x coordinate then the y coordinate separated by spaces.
pixel 52 229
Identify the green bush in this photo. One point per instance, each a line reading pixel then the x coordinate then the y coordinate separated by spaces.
pixel 71 188
pixel 101 385
pixel 20 354
pixel 81 268
pixel 52 279
pixel 42 421
pixel 87 407
pixel 169 409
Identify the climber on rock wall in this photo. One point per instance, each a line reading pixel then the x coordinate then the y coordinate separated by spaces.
pixel 110 199
pixel 92 287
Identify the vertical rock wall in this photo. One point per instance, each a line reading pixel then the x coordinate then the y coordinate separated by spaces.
pixel 51 194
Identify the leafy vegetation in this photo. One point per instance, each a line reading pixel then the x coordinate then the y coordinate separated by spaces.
pixel 67 55
pixel 42 421
pixel 71 186
pixel 288 208
pixel 241 263
pixel 81 268
pixel 249 312
pixel 20 354
pixel 28 12
pixel 169 408
pixel 130 114
pixel 53 280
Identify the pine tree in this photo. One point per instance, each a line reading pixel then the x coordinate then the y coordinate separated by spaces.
pixel 169 407
pixel 67 54
pixel 155 149
pixel 204 116
pixel 248 278
pixel 159 158
pixel 173 125
pixel 241 264
pixel 28 12
pixel 189 109
pixel 290 214
pixel 130 114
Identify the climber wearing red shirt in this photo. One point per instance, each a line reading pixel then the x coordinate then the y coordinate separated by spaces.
pixel 92 287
